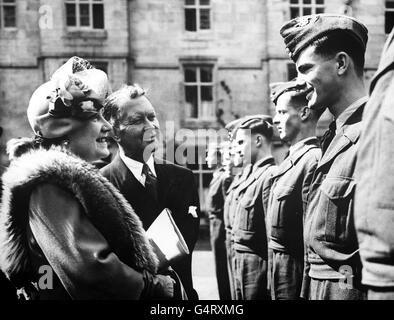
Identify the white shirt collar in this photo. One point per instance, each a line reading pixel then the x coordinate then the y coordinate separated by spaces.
pixel 136 167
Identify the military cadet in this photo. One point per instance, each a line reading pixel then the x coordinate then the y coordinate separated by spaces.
pixel 374 199
pixel 296 125
pixel 253 143
pixel 239 174
pixel 215 204
pixel 329 54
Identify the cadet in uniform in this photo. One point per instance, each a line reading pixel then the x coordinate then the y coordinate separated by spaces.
pixel 253 142
pixel 329 54
pixel 215 204
pixel 374 200
pixel 229 204
pixel 296 125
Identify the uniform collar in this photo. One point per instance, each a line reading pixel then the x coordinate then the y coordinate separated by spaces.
pixel 263 162
pixel 218 172
pixel 345 115
pixel 295 148
pixel 297 152
pixel 136 167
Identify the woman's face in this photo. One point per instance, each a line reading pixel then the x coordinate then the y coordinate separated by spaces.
pixel 89 141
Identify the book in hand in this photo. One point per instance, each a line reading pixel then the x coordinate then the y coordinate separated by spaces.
pixel 166 239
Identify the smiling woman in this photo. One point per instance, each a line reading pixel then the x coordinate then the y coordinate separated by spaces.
pixel 60 214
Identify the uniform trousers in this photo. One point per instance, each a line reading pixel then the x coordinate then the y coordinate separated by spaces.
pixel 218 239
pixel 287 274
pixel 250 276
pixel 230 258
pixel 322 289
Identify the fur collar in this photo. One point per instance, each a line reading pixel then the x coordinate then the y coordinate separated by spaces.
pixel 107 209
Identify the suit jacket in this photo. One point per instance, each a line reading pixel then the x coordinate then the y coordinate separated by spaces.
pixel 374 199
pixel 177 191
pixel 329 227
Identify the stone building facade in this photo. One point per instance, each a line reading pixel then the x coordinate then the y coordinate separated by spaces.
pixel 204 62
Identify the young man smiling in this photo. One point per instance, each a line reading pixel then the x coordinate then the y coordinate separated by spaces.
pixel 296 124
pixel 329 53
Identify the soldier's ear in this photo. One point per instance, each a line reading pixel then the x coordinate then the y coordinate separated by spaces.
pixel 342 62
pixel 258 140
pixel 304 113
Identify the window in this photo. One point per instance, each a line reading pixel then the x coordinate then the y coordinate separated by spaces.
pixel 101 65
pixel 86 14
pixel 291 71
pixel 199 92
pixel 195 161
pixel 389 16
pixel 197 15
pixel 7 14
pixel 305 7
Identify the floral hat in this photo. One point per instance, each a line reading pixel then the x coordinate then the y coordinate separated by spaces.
pixel 75 93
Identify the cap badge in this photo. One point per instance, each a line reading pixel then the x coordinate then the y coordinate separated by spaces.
pixel 304 21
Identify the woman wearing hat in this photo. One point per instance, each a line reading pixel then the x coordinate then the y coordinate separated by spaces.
pixel 65 231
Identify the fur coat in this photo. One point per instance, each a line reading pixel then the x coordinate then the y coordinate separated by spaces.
pixel 105 207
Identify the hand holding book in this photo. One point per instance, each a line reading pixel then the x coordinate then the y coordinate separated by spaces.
pixel 166 239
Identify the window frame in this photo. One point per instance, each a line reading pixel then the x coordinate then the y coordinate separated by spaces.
pixel 301 6
pixel 387 10
pixel 198 7
pixel 199 84
pixel 2 15
pixel 200 170
pixel 77 4
pixel 291 70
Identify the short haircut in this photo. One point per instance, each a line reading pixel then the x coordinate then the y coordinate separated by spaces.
pixel 113 101
pixel 332 43
pixel 259 125
pixel 233 127
pixel 297 97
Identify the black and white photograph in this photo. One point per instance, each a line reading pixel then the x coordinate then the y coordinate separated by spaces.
pixel 224 151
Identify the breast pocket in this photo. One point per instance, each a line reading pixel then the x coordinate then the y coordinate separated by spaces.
pixel 336 204
pixel 246 213
pixel 281 197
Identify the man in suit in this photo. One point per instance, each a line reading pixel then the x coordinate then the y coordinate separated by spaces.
pixel 250 262
pixel 329 54
pixel 296 125
pixel 148 183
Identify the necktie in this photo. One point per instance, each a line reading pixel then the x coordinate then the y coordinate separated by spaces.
pixel 150 181
pixel 328 136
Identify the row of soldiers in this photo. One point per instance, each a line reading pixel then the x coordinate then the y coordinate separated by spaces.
pixel 256 207
pixel 300 229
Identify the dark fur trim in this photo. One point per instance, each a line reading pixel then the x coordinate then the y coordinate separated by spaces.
pixel 107 209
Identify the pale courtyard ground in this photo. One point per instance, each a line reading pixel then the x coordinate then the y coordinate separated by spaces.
pixel 204 278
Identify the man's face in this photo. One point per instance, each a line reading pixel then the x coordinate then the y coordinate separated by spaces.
pixel 242 148
pixel 138 130
pixel 212 158
pixel 320 75
pixel 287 118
